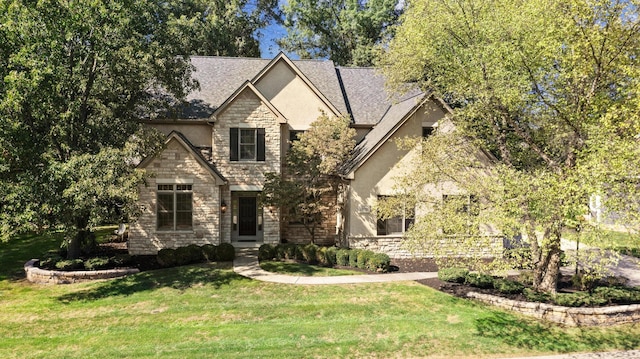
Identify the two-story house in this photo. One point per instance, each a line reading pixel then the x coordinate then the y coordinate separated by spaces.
pixel 237 127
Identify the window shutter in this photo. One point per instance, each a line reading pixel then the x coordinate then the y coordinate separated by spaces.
pixel 381 227
pixel 233 144
pixel 260 151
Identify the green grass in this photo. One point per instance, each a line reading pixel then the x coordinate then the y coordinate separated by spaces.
pixel 622 242
pixel 303 269
pixel 208 311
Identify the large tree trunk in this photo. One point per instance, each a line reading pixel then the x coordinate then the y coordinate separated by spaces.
pixel 547 262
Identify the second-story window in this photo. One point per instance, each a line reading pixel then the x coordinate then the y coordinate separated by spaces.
pixel 247 144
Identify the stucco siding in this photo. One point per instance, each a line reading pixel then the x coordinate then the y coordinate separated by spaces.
pixel 291 96
pixel 198 134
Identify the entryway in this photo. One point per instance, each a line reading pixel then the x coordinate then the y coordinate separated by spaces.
pixel 247 221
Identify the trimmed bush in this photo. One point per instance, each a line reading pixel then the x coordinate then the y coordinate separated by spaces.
pixel 50 261
pixel 189 254
pixel 226 252
pixel 266 252
pixel 342 257
pixel 167 257
pixel 96 263
pixel 534 296
pixel 280 252
pixel 483 281
pixel 618 295
pixel 330 256
pixel 379 262
pixel 309 253
pixel 363 259
pixel 210 252
pixel 453 274
pixel 70 264
pixel 320 256
pixel 353 257
pixel 579 299
pixel 507 286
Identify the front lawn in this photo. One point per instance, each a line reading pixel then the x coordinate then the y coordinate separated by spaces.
pixel 303 269
pixel 208 311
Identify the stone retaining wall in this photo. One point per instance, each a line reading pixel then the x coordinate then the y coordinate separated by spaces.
pixel 395 247
pixel 43 276
pixel 568 316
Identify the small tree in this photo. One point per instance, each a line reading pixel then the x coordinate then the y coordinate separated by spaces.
pixel 310 175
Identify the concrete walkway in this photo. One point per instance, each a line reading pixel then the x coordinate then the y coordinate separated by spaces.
pixel 246 264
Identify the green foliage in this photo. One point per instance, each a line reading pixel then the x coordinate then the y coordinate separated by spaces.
pixel 353 257
pixel 558 118
pixel 121 260
pixel 309 253
pixel 342 257
pixel 307 188
pixel 97 263
pixel 507 286
pixel 330 256
pixel 363 258
pixel 167 257
pixel 536 296
pixel 226 252
pixel 579 299
pixel 266 252
pixel 345 31
pixel 210 252
pixel 479 280
pixel 379 262
pixel 70 264
pixel 453 274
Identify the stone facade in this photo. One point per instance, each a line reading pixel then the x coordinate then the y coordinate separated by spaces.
pixel 572 317
pixel 247 111
pixel 176 165
pixel 395 248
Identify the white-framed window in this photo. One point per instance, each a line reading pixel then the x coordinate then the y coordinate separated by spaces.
pixel 247 144
pixel 175 207
pixel 397 224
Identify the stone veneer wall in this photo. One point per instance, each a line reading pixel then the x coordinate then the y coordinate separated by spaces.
pixel 564 315
pixel 394 247
pixel 325 233
pixel 247 111
pixel 43 276
pixel 175 162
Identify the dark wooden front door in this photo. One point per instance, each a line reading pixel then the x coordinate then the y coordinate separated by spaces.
pixel 247 215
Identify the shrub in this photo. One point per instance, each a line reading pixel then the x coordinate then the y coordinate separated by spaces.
pixel 210 252
pixel 291 251
pixel 618 295
pixel 226 252
pixel 507 286
pixel 50 260
pixel 121 260
pixel 96 263
pixel 321 256
pixel 167 257
pixel 353 257
pixel 363 258
pixel 342 257
pixel 280 251
pixel 579 299
pixel 330 256
pixel 483 281
pixel 189 254
pixel 379 262
pixel 266 252
pixel 70 264
pixel 526 278
pixel 453 274
pixel 309 253
pixel 534 296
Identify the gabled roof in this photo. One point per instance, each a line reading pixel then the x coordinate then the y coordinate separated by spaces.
pixel 357 92
pixel 249 87
pixel 312 70
pixel 195 152
pixel 392 120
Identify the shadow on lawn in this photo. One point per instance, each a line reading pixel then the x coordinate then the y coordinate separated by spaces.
pixel 17 251
pixel 179 278
pixel 533 335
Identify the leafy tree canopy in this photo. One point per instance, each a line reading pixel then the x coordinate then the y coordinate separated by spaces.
pixel 550 89
pixel 76 78
pixel 309 183
pixel 345 31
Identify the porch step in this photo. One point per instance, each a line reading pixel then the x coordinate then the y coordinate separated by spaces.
pixel 246 252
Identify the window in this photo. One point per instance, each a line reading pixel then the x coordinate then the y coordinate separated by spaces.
pixel 395 225
pixel 247 144
pixel 175 207
pixel 427 131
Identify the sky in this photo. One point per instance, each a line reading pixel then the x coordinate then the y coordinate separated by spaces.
pixel 268 46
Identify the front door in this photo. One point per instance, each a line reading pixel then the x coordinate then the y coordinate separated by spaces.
pixel 247 215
